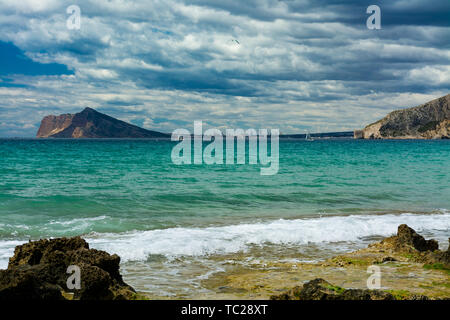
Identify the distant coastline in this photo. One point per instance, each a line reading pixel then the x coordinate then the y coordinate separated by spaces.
pixel 428 121
pixel 91 124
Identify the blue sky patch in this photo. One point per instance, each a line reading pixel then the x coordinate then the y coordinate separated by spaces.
pixel 14 61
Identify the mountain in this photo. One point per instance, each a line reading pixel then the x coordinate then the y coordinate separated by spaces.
pixel 90 123
pixel 428 121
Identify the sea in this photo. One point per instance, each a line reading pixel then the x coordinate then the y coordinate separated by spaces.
pixel 174 226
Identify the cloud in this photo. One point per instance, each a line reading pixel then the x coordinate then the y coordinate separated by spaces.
pixel 293 64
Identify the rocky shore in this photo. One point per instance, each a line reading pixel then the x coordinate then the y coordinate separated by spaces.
pixel 39 271
pixel 407 247
pixel 411 268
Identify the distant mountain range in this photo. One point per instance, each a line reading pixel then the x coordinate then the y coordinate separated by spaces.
pixel 428 121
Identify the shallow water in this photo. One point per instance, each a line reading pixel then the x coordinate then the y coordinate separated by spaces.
pixel 175 225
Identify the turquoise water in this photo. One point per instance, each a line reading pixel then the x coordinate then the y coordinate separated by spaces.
pixel 126 196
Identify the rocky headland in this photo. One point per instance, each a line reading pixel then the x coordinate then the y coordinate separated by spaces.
pixel 428 121
pixel 90 123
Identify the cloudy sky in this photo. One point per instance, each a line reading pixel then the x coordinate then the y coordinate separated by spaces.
pixel 161 64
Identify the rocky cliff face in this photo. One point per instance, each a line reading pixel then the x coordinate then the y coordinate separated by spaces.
pixel 51 125
pixel 428 121
pixel 91 124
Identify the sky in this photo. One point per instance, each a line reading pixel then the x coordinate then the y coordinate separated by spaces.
pixel 294 65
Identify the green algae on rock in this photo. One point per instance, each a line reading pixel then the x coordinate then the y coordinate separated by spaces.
pixel 319 289
pixel 407 274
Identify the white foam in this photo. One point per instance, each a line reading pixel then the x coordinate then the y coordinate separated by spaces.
pixel 7 251
pixel 176 242
pixel 78 220
pixel 139 245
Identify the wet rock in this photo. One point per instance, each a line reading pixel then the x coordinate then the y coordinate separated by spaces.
pixel 406 236
pixel 319 289
pixel 38 270
pixel 409 243
pixel 21 283
pixel 442 257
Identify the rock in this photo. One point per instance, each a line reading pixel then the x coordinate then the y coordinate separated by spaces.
pixel 319 289
pixel 358 134
pixel 442 257
pixel 388 259
pixel 428 121
pixel 409 245
pixel 38 270
pixel 406 236
pixel 91 124
pixel 51 125
pixel 21 283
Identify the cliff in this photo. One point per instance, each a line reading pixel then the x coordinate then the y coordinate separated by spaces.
pixel 428 121
pixel 91 124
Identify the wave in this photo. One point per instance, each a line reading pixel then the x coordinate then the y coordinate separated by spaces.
pixel 7 251
pixel 193 242
pixel 174 242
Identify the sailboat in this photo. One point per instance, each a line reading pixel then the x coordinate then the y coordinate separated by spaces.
pixel 308 137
